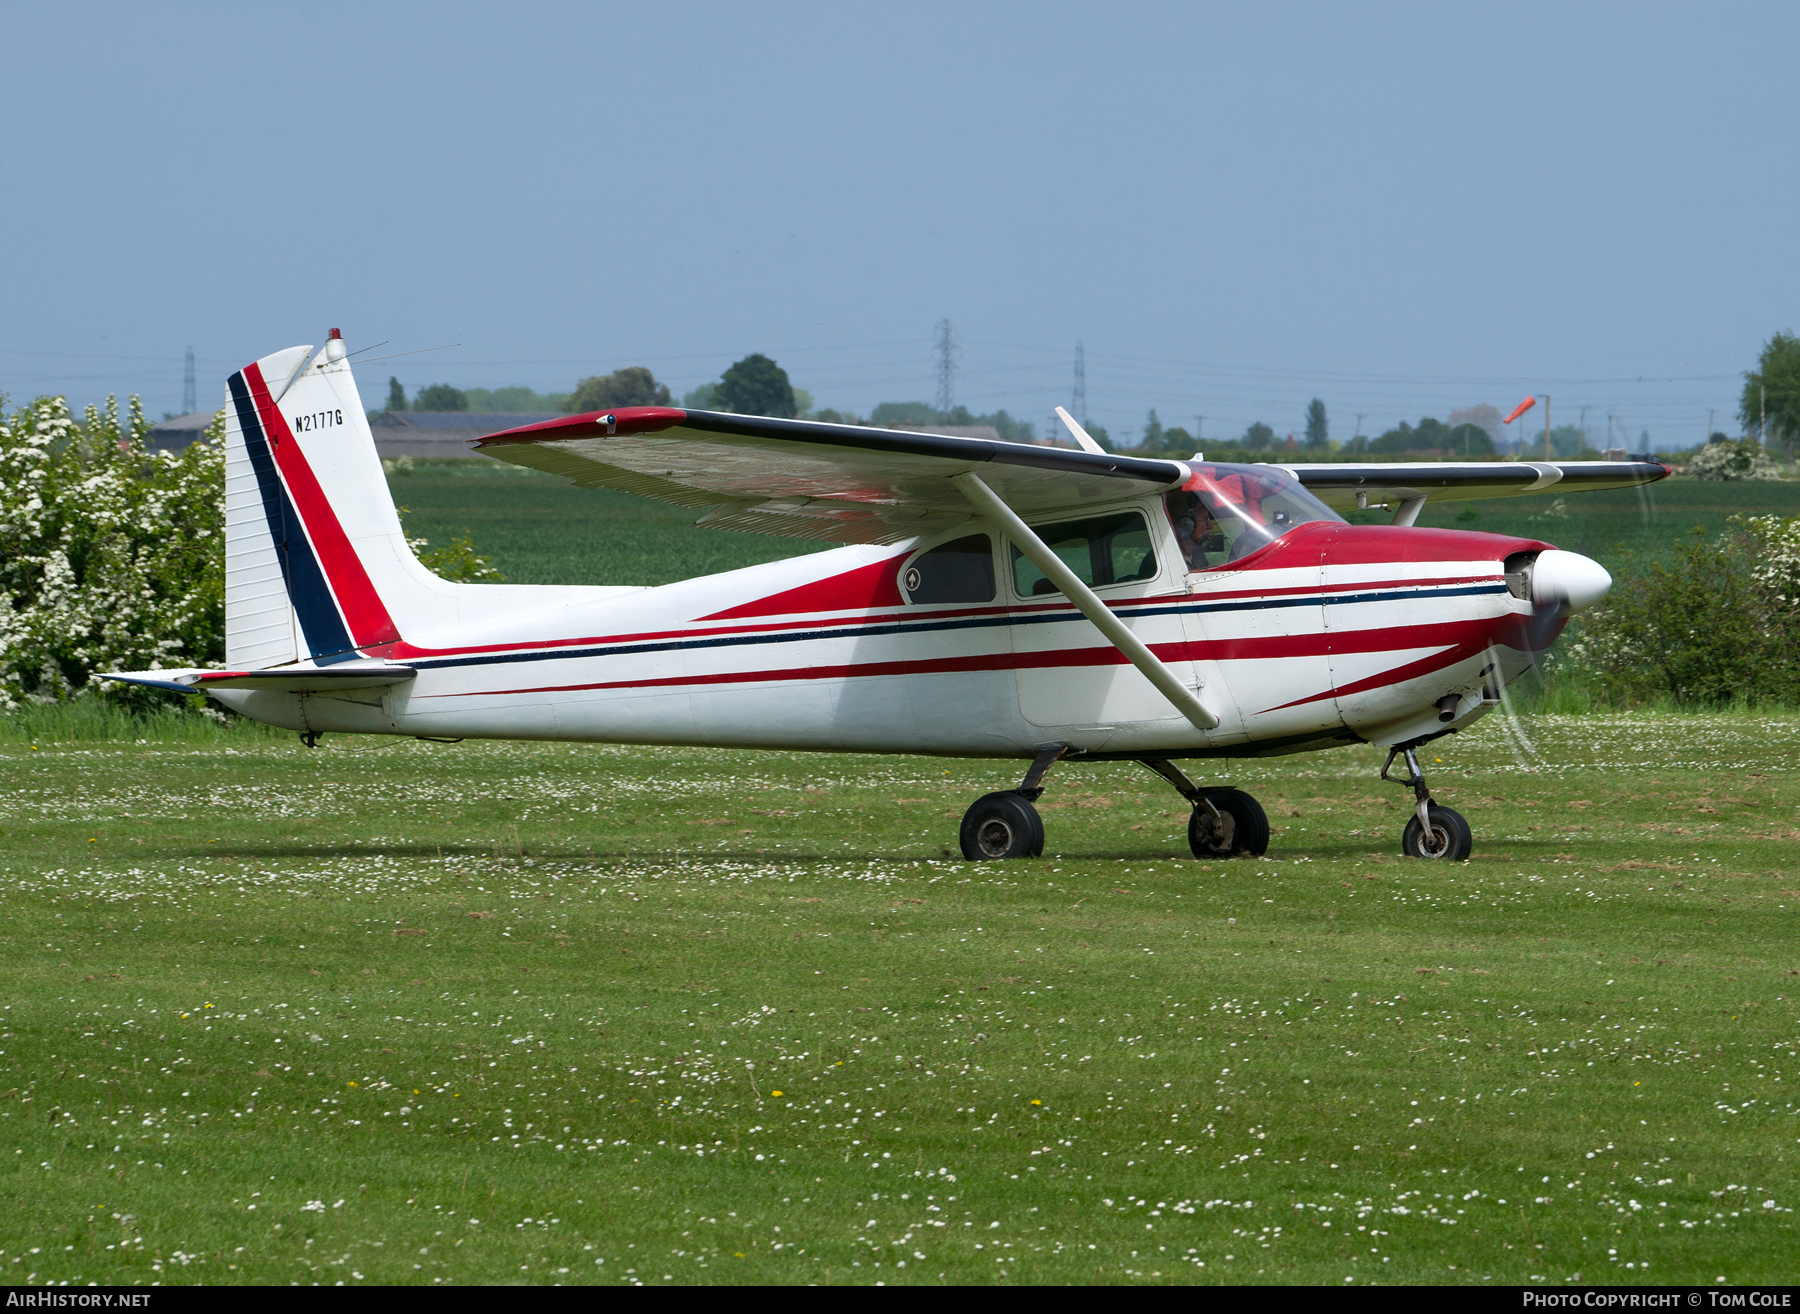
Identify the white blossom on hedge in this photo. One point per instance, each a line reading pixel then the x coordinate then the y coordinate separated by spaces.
pixel 1739 460
pixel 111 556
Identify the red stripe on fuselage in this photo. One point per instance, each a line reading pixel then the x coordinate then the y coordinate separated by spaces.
pixel 1000 661
pixel 364 614
pixel 1324 593
pixel 1465 639
pixel 862 589
pixel 1460 637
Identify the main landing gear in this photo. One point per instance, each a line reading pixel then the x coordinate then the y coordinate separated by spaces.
pixel 1224 824
pixel 1005 825
pixel 1433 832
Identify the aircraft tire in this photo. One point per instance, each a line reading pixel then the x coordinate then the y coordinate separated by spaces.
pixel 1246 832
pixel 1002 825
pixel 1450 836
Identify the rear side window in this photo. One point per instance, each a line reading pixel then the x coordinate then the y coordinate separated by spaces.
pixel 1104 550
pixel 961 570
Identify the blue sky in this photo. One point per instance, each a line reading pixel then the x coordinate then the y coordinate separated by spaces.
pixel 1401 209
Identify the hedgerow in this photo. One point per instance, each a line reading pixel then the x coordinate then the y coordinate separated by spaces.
pixel 1717 624
pixel 111 555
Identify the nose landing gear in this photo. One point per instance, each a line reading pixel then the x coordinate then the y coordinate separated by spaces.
pixel 1434 831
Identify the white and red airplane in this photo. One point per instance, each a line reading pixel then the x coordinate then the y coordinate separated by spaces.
pixel 992 599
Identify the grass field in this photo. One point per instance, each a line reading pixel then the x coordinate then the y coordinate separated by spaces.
pixel 400 1012
pixel 543 530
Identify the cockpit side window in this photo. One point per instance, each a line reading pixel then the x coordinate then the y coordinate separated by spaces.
pixel 961 570
pixel 1104 550
pixel 1227 512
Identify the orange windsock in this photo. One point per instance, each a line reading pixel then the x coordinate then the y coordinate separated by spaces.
pixel 1520 409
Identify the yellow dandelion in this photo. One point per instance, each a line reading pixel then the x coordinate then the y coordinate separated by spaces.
pixel 774 1094
pixel 1037 1101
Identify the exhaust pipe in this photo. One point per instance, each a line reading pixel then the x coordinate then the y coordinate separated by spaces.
pixel 1447 707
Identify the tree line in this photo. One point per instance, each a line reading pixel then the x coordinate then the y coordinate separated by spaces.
pixel 755 385
pixel 1768 413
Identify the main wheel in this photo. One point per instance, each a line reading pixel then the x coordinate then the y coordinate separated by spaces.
pixel 1449 838
pixel 1241 826
pixel 1001 826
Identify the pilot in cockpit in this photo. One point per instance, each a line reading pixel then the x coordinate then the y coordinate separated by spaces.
pixel 1194 525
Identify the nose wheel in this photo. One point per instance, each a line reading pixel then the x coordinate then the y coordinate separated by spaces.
pixel 1434 831
pixel 1448 836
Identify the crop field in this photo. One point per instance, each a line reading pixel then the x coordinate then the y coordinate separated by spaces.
pixel 539 529
pixel 543 530
pixel 400 1012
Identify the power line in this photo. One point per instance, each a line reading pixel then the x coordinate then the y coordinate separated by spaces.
pixel 1079 407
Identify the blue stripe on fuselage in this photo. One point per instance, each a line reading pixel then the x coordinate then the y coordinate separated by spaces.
pixel 928 627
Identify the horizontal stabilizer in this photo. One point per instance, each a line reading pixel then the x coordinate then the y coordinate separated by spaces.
pixel 281 679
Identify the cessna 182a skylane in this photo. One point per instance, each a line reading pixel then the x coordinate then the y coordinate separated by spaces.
pixel 992 599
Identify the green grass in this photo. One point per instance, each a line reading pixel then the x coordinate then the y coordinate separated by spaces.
pixel 525 985
pixel 105 720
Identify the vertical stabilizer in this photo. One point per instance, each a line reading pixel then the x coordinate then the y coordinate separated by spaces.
pixel 317 564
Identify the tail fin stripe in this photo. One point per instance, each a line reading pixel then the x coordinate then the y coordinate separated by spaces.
pixel 362 608
pixel 312 603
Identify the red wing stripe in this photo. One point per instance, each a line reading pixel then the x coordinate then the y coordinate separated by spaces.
pixel 357 599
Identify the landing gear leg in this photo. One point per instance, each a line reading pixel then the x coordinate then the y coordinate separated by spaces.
pixel 1434 832
pixel 1005 825
pixel 1225 822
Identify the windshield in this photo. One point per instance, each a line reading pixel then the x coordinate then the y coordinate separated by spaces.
pixel 1226 512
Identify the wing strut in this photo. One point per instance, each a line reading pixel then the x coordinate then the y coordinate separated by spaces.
pixel 1085 600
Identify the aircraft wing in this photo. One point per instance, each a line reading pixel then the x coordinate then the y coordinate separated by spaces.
pixel 803 479
pixel 1338 484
